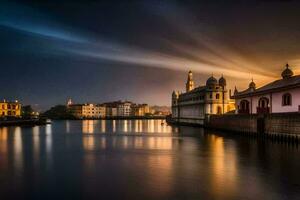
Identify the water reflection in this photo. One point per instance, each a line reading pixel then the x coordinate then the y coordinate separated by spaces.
pixel 88 126
pixel 88 142
pixel 36 143
pixel 49 138
pixel 124 126
pixel 3 139
pixel 91 142
pixel 224 166
pixel 145 159
pixel 18 147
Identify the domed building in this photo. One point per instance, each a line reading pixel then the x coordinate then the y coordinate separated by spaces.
pixel 279 96
pixel 197 102
pixel 222 82
pixel 211 82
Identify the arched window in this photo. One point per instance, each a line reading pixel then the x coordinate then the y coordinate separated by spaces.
pixel 217 96
pixel 286 99
pixel 244 107
pixel 263 102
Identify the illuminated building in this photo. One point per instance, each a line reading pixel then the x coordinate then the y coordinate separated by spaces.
pixel 193 105
pixel 124 108
pixel 140 109
pixel 88 110
pixel 279 96
pixel 10 109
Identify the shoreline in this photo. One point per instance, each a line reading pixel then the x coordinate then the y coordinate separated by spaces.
pixel 113 118
pixel 24 122
pixel 277 136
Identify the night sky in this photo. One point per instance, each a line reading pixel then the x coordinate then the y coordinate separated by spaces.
pixel 96 51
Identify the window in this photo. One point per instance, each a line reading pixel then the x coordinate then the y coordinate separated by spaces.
pixel 286 99
pixel 217 96
pixel 210 96
pixel 263 102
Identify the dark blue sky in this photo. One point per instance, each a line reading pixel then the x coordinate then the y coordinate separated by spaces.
pixel 99 51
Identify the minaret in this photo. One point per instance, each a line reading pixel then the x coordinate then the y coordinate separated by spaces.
pixel 190 82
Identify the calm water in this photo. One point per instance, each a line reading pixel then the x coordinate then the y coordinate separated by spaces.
pixel 142 159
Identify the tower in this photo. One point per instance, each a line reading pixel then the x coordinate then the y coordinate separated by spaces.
pixel 69 102
pixel 189 82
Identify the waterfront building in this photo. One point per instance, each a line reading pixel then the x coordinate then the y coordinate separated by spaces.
pixel 140 109
pixel 279 96
pixel 124 109
pixel 10 109
pixel 111 109
pixel 197 102
pixel 87 110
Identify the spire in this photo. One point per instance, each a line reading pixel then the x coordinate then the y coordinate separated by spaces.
pixel 190 83
pixel 222 81
pixel 252 85
pixel 287 72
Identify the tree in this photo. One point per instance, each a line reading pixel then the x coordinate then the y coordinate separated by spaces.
pixel 58 112
pixel 27 111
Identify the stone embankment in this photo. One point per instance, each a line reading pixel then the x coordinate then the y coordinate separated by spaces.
pixel 279 126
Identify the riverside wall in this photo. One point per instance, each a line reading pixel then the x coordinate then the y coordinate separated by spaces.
pixel 277 123
pixel 277 126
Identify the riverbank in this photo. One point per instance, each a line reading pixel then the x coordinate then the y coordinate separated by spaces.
pixel 24 122
pixel 113 118
pixel 283 127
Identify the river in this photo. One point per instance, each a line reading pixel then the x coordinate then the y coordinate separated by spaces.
pixel 142 159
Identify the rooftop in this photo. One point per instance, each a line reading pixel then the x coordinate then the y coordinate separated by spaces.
pixel 279 84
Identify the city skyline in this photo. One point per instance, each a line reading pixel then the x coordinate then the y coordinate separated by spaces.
pixel 142 50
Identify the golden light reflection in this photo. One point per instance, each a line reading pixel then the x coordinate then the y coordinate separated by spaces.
pixel 114 126
pixel 3 139
pixel 224 167
pixel 161 143
pixel 18 147
pixel 88 126
pixel 138 143
pixel 136 126
pixel 88 143
pixel 103 126
pixel 125 126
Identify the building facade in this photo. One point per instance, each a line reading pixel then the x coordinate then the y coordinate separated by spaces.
pixel 196 103
pixel 10 109
pixel 111 109
pixel 140 109
pixel 87 110
pixel 124 109
pixel 279 96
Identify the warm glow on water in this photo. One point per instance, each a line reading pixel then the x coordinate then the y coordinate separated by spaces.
pixel 142 159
